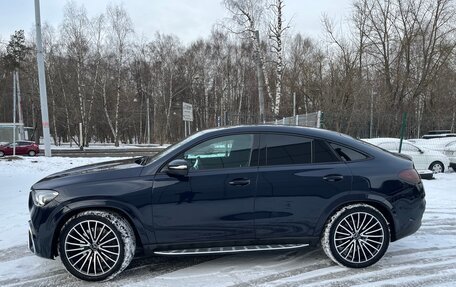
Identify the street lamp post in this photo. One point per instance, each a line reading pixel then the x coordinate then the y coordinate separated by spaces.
pixel 42 82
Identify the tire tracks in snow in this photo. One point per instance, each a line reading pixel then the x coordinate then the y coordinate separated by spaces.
pixel 140 269
pixel 326 271
pixel 14 253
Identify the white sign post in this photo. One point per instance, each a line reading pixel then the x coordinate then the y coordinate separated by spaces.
pixel 187 116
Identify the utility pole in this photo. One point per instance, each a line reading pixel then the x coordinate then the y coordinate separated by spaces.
pixel 148 120
pixel 14 114
pixel 259 78
pixel 294 104
pixel 19 106
pixel 42 82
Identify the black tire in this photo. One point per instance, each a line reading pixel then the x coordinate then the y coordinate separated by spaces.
pixel 437 167
pixel 32 153
pixel 356 236
pixel 103 241
pixel 2 154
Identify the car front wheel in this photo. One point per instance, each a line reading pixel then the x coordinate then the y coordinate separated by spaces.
pixel 2 154
pixel 96 245
pixel 356 236
pixel 32 153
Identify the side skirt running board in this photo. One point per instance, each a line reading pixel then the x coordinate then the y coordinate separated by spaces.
pixel 230 249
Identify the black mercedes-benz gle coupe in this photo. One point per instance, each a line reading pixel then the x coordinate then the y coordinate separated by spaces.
pixel 225 190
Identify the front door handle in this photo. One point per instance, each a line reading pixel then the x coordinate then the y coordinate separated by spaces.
pixel 333 177
pixel 240 182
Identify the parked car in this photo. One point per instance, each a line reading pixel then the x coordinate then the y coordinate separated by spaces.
pixel 227 190
pixel 450 152
pixel 22 148
pixel 439 134
pixel 422 157
pixel 447 146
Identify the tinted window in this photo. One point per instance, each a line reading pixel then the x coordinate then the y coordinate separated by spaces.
pixel 223 152
pixel 282 150
pixel 322 152
pixel 347 154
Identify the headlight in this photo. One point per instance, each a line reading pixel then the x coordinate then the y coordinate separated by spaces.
pixel 43 197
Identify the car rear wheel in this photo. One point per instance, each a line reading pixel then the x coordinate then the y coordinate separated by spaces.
pixel 96 245
pixel 356 236
pixel 32 153
pixel 437 167
pixel 2 154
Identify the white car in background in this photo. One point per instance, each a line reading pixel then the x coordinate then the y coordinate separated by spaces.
pixel 447 146
pixel 450 152
pixel 422 157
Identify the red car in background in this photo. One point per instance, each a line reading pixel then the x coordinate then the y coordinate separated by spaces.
pixel 22 147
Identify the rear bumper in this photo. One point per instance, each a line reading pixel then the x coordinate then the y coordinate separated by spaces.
pixel 409 213
pixel 453 165
pixel 411 224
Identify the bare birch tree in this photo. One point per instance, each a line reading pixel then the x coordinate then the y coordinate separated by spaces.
pixel 247 15
pixel 120 27
pixel 277 29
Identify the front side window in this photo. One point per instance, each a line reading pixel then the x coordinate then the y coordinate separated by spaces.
pixel 223 152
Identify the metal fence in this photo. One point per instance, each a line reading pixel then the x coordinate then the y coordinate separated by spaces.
pixel 304 120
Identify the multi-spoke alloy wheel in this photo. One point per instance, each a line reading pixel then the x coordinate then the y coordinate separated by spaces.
pixel 436 167
pixel 96 245
pixel 356 236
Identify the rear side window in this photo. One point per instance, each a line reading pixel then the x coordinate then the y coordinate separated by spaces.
pixel 288 150
pixel 347 154
pixel 323 153
pixel 283 150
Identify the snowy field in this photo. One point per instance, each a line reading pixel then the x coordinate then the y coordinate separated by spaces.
pixel 427 258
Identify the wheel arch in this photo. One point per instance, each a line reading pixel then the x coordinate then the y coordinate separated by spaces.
pixel 437 161
pixel 137 227
pixel 385 209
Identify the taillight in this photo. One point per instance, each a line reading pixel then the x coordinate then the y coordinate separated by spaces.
pixel 410 175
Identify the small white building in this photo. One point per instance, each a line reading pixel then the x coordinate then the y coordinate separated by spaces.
pixel 7 130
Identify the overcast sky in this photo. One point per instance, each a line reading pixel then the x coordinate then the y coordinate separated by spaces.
pixel 189 20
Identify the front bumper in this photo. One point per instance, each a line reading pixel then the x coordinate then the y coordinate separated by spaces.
pixel 42 226
pixel 31 240
pixel 39 244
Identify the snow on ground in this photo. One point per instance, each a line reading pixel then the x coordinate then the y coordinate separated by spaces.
pixel 427 258
pixel 16 178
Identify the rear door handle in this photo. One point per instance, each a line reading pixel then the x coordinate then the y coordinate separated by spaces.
pixel 333 177
pixel 240 182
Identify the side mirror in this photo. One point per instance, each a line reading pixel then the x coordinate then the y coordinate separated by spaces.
pixel 421 151
pixel 177 167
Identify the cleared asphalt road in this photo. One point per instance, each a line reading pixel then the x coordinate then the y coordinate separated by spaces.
pixel 109 152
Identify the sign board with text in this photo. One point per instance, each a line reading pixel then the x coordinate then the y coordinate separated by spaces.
pixel 187 112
